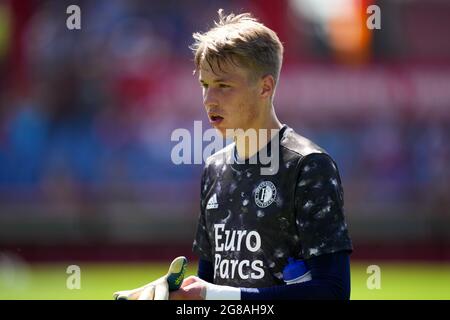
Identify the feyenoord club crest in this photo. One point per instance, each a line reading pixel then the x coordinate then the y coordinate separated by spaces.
pixel 265 194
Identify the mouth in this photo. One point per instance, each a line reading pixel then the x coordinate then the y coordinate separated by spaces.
pixel 215 119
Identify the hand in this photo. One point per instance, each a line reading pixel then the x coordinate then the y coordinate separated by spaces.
pixel 158 289
pixel 155 290
pixel 192 288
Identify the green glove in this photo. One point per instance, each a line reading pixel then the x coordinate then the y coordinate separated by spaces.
pixel 160 288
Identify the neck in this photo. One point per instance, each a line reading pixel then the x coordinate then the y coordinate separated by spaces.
pixel 258 136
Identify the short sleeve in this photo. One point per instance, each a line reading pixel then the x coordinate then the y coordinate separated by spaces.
pixel 319 206
pixel 202 244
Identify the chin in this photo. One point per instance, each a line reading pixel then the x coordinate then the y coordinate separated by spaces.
pixel 230 134
pixel 222 132
pixel 222 129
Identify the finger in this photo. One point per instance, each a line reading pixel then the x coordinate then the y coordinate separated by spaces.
pixel 134 294
pixel 162 292
pixel 176 295
pixel 125 295
pixel 147 294
pixel 190 286
pixel 189 280
pixel 194 291
pixel 122 295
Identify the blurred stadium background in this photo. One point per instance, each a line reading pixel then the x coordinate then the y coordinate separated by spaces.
pixel 86 117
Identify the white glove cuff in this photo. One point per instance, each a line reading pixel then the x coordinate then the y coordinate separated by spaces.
pixel 216 292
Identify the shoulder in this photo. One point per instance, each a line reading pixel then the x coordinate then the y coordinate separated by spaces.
pixel 311 157
pixel 295 143
pixel 220 158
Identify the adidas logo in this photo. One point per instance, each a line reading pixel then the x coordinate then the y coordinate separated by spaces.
pixel 212 202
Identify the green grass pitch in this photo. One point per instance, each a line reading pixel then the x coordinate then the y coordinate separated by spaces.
pixel 98 281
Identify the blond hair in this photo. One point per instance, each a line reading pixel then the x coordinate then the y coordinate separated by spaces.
pixel 241 40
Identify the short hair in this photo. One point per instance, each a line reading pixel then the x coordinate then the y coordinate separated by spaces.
pixel 243 41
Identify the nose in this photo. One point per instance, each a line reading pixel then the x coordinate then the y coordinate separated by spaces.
pixel 210 98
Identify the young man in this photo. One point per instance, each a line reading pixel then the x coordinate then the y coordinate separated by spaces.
pixel 251 223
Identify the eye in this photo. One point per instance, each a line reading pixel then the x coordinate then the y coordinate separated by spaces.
pixel 204 85
pixel 223 85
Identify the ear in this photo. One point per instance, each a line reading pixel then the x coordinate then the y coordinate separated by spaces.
pixel 267 86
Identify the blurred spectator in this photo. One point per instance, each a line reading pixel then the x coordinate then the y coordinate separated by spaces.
pixel 94 109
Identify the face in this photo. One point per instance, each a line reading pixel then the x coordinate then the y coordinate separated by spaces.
pixel 230 96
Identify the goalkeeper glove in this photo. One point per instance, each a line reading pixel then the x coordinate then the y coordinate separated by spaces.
pixel 160 288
